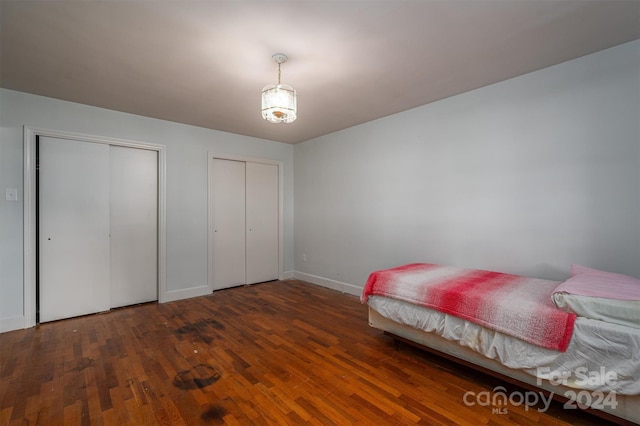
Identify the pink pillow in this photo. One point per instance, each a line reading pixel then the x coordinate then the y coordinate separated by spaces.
pixel 600 295
pixel 592 282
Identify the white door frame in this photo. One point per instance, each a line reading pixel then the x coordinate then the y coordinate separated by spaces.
pixel 210 156
pixel 29 135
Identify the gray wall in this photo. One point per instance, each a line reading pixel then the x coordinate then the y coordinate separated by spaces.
pixel 525 176
pixel 186 181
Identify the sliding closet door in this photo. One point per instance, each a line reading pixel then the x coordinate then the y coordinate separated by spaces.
pixel 262 222
pixel 134 225
pixel 73 228
pixel 227 210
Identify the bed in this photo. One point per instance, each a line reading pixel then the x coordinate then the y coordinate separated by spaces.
pixel 578 340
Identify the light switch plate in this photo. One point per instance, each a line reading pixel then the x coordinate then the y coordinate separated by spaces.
pixel 12 194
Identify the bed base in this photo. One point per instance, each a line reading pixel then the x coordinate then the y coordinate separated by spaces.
pixel 627 411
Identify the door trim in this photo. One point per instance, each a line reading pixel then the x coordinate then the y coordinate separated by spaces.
pixel 29 136
pixel 210 156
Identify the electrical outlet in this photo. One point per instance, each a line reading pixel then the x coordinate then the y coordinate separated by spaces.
pixel 304 257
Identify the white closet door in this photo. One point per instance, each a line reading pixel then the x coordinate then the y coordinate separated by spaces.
pixel 227 195
pixel 134 226
pixel 262 222
pixel 73 228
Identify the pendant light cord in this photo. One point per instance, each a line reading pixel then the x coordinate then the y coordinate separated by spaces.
pixel 278 73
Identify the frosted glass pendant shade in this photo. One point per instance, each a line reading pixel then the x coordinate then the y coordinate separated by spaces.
pixel 279 103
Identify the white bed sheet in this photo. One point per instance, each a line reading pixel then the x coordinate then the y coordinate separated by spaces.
pixel 601 356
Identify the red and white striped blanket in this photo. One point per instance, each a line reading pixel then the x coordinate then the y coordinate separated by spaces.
pixel 511 304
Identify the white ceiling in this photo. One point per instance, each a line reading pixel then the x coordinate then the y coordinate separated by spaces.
pixel 204 63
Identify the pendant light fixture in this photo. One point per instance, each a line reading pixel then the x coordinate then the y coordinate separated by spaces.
pixel 279 103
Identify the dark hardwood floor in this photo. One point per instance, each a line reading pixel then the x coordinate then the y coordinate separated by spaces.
pixel 273 353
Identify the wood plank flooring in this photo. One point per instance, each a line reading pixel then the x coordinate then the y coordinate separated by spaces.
pixel 279 353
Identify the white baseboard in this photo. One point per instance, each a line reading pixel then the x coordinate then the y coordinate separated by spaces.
pixel 329 283
pixel 188 293
pixel 13 323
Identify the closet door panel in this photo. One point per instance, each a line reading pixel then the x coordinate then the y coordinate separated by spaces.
pixel 73 228
pixel 134 226
pixel 227 195
pixel 262 222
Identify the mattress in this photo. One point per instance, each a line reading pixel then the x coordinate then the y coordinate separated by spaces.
pixel 600 357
